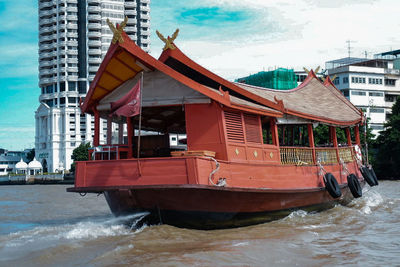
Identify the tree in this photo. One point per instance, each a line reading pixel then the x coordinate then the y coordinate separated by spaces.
pixel 30 155
pixel 80 154
pixel 321 135
pixel 387 163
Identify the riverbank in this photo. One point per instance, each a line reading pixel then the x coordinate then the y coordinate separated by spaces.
pixel 37 179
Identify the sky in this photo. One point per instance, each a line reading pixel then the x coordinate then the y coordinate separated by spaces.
pixel 233 38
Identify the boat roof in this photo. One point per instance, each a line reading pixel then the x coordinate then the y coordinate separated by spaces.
pixel 311 100
pixel 125 60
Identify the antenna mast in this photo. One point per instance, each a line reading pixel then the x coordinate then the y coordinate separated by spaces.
pixel 349 47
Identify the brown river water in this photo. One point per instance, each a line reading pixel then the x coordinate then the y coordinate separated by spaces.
pixel 42 225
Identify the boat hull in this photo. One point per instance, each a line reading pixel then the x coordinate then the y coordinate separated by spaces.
pixel 206 207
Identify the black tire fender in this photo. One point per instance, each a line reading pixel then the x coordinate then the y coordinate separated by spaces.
pixel 371 170
pixel 332 185
pixel 367 176
pixel 354 185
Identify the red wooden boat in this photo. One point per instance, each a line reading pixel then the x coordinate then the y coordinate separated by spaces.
pixel 250 154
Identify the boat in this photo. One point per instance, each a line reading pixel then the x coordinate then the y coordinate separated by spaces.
pixel 249 156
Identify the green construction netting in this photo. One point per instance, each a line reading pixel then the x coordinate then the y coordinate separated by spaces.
pixel 281 79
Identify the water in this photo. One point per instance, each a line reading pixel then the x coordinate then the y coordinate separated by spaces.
pixel 42 225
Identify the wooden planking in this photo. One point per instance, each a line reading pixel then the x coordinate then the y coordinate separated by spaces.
pixel 126 172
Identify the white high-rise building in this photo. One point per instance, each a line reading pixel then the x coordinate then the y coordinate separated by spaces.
pixel 370 84
pixel 73 38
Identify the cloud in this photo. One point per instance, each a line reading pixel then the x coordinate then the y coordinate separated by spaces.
pixel 18 38
pixel 279 33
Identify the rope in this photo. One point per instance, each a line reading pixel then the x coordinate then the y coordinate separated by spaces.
pixel 321 169
pixel 221 182
pixel 345 170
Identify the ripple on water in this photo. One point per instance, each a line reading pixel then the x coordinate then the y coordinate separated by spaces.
pixel 15 244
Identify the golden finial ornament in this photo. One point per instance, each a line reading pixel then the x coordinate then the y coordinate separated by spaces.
pixel 117 31
pixel 168 41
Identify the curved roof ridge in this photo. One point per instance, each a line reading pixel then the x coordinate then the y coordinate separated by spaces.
pixel 177 54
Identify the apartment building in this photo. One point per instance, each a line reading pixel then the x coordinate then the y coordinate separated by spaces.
pixel 73 39
pixel 370 84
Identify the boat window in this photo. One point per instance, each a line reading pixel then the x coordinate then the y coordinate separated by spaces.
pixel 293 135
pixel 252 125
pixel 234 127
pixel 266 131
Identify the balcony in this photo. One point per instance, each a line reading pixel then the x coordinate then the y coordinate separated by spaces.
pixel 94 51
pixel 45 64
pixel 72 9
pixel 130 4
pixel 147 33
pixel 45 47
pixel 94 34
pixel 145 16
pixel 94 26
pixel 94 17
pixel 392 71
pixel 72 43
pixel 46 38
pixel 94 9
pixel 46 22
pixel 145 41
pixel 94 60
pixel 93 69
pixel 45 4
pixel 72 26
pixel 72 17
pixel 45 72
pixel 46 55
pixel 72 52
pixel 130 29
pixel 94 43
pixel 145 8
pixel 72 60
pixel 145 24
pixel 130 12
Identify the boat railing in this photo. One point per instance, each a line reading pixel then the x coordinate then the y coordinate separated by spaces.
pixel 346 154
pixel 108 152
pixel 326 155
pixel 296 155
pixel 305 155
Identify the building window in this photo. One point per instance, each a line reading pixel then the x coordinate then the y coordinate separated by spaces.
pixel 390 98
pixel 357 79
pixel 374 81
pixel 71 86
pixel 377 127
pixel 390 82
pixel 375 94
pixel 358 93
pixel 345 93
pixel 72 100
pixel 62 87
pixel 377 110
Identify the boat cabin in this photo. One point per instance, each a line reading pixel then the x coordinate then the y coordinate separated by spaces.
pixel 224 121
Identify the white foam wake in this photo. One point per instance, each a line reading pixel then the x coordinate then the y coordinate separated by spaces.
pixel 87 230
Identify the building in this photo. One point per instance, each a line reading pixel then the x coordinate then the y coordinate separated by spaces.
pixel 280 79
pixel 73 38
pixel 9 159
pixel 370 84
